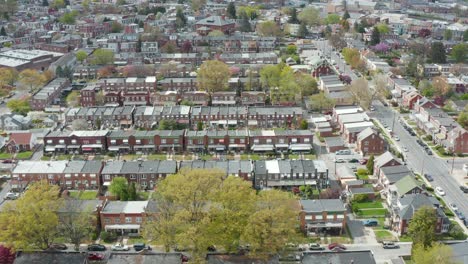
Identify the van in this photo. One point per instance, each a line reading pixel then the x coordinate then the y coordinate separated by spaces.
pixel 370 222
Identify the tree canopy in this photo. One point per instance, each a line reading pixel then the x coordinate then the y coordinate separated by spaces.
pixel 332 19
pixel 19 106
pixel 438 54
pixel 213 76
pixel 31 79
pixel 269 29
pixel 422 227
pixel 310 16
pixel 81 55
pixel 102 57
pixel 225 212
pixel 459 52
pixel 436 253
pixel 31 221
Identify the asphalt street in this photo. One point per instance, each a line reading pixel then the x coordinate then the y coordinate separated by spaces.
pixel 341 66
pixel 420 162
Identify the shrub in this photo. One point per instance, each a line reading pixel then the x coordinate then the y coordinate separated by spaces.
pixel 428 137
pixel 456 232
pixel 108 237
pixel 362 171
pixel 111 154
pixel 360 198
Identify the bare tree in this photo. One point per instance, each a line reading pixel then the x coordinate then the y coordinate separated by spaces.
pixel 75 223
pixel 381 89
pixel 79 124
pixel 360 92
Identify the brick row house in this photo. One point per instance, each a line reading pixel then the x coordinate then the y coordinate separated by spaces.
pixel 74 174
pixel 102 117
pixel 145 141
pixel 76 141
pixel 236 168
pixel 49 94
pixel 322 216
pixel 126 217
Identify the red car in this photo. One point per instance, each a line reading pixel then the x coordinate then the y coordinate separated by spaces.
pixel 363 162
pixel 95 256
pixel 8 161
pixel 336 247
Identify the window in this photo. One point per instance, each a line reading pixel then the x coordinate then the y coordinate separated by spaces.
pixel 281 141
pixel 117 220
pixel 61 141
pixel 268 140
pixel 112 141
pixel 256 141
pixel 67 175
pixel 143 176
pixel 107 177
pixel 231 141
pixel 318 217
pixel 125 141
pixel 138 220
pixel 73 141
pixel 176 141
pixel 50 176
pixel 92 175
pixel 163 141
pixel 49 141
pixel 294 140
pixel 107 220
pixel 138 141
pixel 128 220
pixel 306 140
pixel 133 176
pixel 242 141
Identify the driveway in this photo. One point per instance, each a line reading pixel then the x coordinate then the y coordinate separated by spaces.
pixel 360 233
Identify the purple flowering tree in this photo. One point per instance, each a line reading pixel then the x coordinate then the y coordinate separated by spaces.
pixel 382 48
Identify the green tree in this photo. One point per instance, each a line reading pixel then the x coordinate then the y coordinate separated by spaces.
pixel 332 19
pixel 75 224
pixel 269 29
pixel 273 223
pixel 181 20
pixel 19 106
pixel 346 15
pixel 459 52
pixel 32 79
pixel 213 76
pixel 465 35
pixel 307 84
pixel 370 165
pixel 448 34
pixel 270 76
pixel 310 16
pixel 200 126
pixel 132 193
pixel 436 253
pixel 245 23
pixel 102 57
pixel 69 17
pixel 57 4
pixel 119 187
pixel 320 102
pixel 463 119
pixel 81 55
pixel 304 125
pixel 31 221
pixel 293 17
pixel 375 37
pixel 8 76
pixel 383 28
pixel 3 32
pixel 422 227
pixel 302 32
pixel 438 54
pixel 116 27
pixel 231 10
pixel 73 99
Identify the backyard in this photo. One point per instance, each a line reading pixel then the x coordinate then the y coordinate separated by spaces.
pixel 369 209
pixel 384 235
pixel 83 195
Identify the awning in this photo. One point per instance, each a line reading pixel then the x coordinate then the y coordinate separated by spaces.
pixel 282 146
pixel 236 146
pixel 300 147
pixel 125 122
pixel 265 147
pixel 252 123
pixel 117 227
pixel 144 146
pixel 230 102
pixel 106 183
pixel 196 147
pixel 49 148
pixel 224 122
pixel 217 147
pixel 87 149
pixel 92 146
pixel 73 146
pixel 60 146
pixel 169 145
pixel 297 182
pixel 113 148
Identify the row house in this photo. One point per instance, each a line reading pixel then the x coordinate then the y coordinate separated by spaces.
pixel 344 119
pixel 102 117
pixel 143 173
pixel 457 140
pixel 410 98
pixel 219 116
pixel 149 116
pixel 400 86
pixel 274 116
pixel 178 84
pixel 86 72
pixel 196 98
pixel 145 141
pixel 195 59
pixel 92 30
pixel 249 58
pixel 75 141
pixel 322 216
pixel 369 141
pixel 128 91
pixel 126 217
pixel 224 98
pixel 88 95
pixel 236 168
pixel 287 174
pixel 49 94
pixel 281 141
pixel 253 98
pixel 205 26
pixel 352 130
pixel 385 160
pixel 230 43
pixel 76 174
pixel 213 140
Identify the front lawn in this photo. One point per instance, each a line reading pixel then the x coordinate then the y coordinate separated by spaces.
pixel 293 156
pixel 310 156
pixel 24 155
pixel 372 212
pixel 405 238
pixel 384 235
pixel 129 157
pixel 144 196
pixel 157 157
pixel 368 205
pixel 84 195
pixel 250 157
pixel 135 240
pixel 5 155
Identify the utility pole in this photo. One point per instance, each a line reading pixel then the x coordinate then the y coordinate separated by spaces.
pixel 422 167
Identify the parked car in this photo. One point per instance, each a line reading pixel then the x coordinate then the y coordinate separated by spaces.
pixel 184 258
pixel 439 191
pixel 11 196
pixel 389 245
pixel 412 133
pixel 57 246
pixel 453 206
pixel 339 160
pixel 96 247
pixel 464 188
pixel 363 161
pixel 336 247
pixel 95 256
pixel 405 149
pixel 353 161
pixel 7 161
pixel 429 152
pixel 119 247
pixel 460 215
pixel 428 177
pixel 419 142
pixel 139 246
pixel 397 138
pixel 370 222
pixel 5 176
pixel 315 246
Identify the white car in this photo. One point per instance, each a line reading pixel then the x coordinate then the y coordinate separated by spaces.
pixel 11 196
pixel 119 247
pixel 339 160
pixel 396 138
pixel 439 191
pixel 453 207
pixel 405 149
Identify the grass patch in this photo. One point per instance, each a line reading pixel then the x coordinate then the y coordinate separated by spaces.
pixel 293 156
pixel 310 156
pixel 83 195
pixel 24 155
pixel 135 240
pixel 405 238
pixel 144 196
pixel 341 239
pixel 372 212
pixel 45 158
pixel 157 157
pixel 129 157
pixel 383 235
pixel 363 177
pixel 230 157
pixel 179 157
pixel 5 155
pixel 63 157
pixel 206 157
pixel 368 205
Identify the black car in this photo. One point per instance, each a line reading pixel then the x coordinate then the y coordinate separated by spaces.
pixel 353 161
pixel 419 142
pixel 412 133
pixel 428 177
pixel 139 246
pixel 464 188
pixel 428 151
pixel 96 247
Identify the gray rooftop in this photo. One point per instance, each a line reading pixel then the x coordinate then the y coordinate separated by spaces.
pixel 326 205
